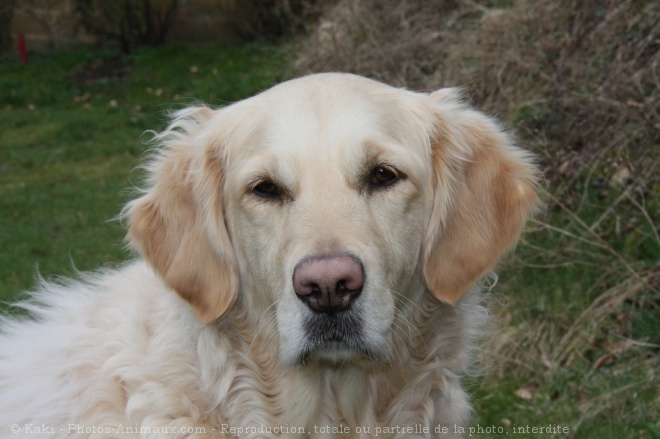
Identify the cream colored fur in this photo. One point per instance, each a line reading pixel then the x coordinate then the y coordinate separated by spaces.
pixel 203 335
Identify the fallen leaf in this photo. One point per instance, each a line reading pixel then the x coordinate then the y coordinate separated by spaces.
pixel 620 348
pixel 621 175
pixel 524 393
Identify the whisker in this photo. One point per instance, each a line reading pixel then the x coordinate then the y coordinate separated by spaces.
pixel 403 296
pixel 267 318
pixel 395 346
pixel 401 315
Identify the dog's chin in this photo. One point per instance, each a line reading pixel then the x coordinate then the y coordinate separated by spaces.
pixel 336 353
pixel 334 340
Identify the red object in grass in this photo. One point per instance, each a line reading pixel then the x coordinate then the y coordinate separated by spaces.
pixel 21 48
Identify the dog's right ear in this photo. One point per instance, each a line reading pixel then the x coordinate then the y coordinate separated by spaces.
pixel 178 224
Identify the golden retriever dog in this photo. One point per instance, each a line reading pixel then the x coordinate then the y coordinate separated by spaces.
pixel 309 268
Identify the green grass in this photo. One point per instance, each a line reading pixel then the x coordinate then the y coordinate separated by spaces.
pixel 68 145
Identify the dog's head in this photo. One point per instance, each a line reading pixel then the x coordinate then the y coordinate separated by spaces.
pixel 325 202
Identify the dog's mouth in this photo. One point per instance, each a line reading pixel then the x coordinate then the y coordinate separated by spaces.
pixel 336 338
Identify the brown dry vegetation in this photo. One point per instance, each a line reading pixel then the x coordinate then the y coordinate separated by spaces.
pixel 579 81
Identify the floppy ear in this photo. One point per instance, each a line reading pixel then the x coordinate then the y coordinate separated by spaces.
pixel 178 224
pixel 484 190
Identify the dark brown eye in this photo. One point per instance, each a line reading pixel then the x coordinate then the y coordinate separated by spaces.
pixel 267 189
pixel 383 176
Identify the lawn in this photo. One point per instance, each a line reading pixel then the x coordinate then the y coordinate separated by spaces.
pixel 576 303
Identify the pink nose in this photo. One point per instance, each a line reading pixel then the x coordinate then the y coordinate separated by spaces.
pixel 330 283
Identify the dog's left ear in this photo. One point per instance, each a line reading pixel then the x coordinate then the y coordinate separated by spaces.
pixel 484 191
pixel 178 224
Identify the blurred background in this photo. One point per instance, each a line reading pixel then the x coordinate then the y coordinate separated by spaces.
pixel 577 306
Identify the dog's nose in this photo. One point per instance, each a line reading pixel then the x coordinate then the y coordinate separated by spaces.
pixel 328 284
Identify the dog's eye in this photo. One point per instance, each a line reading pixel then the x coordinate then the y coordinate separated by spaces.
pixel 267 189
pixel 383 176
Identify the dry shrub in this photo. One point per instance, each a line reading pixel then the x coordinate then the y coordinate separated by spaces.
pixel 392 41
